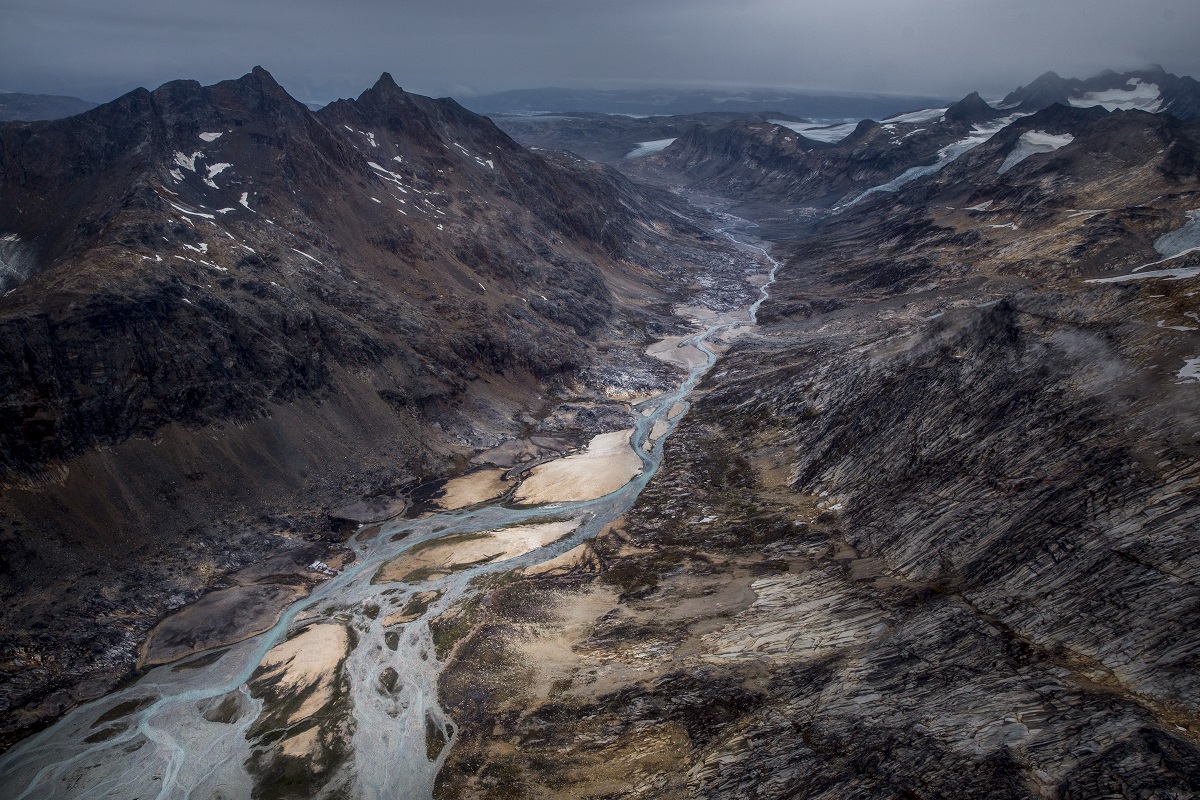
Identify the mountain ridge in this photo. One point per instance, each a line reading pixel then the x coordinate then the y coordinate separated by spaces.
pixel 233 314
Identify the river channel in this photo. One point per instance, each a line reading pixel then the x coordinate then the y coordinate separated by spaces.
pixel 187 729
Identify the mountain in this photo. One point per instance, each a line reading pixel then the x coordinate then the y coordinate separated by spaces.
pixel 769 163
pixel 925 521
pixel 817 105
pixel 972 109
pixel 225 316
pixel 21 106
pixel 610 138
pixel 932 532
pixel 1152 89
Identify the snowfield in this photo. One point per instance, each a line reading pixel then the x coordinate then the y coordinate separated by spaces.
pixel 1136 95
pixel 1177 242
pixel 1031 143
pixel 649 148
pixel 979 134
pixel 820 133
pixel 924 115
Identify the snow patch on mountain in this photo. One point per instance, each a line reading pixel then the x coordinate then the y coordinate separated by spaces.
pixel 819 133
pixel 211 137
pixel 16 261
pixel 215 170
pixel 186 161
pixel 1190 371
pixel 1135 96
pixel 649 148
pixel 924 115
pixel 1180 241
pixel 389 176
pixel 183 210
pixel 1031 143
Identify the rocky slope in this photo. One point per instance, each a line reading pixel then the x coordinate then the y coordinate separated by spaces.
pixel 765 164
pixel 930 533
pixel 225 315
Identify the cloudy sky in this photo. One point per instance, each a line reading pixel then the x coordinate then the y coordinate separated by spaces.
pixel 320 50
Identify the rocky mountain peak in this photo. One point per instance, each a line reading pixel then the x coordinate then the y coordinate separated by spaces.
pixel 386 83
pixel 1047 89
pixel 971 109
pixel 861 130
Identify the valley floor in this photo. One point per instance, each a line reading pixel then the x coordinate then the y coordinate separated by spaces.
pixel 931 539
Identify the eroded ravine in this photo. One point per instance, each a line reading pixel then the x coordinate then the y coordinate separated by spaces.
pixel 341 693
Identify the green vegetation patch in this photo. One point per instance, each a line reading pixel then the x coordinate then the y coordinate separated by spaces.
pixel 435 738
pixel 449 627
pixel 388 680
pixel 419 603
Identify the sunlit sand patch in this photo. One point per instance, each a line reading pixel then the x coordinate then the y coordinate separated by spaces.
pixel 578 559
pixel 608 464
pixel 440 557
pixel 707 316
pixel 676 410
pixel 302 745
pixel 308 660
pixel 477 487
pixel 661 426
pixel 669 350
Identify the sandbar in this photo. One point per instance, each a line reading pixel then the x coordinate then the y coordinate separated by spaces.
pixel 608 463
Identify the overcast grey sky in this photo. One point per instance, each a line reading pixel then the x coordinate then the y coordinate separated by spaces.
pixel 98 49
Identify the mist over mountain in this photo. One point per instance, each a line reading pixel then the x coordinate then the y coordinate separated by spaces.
pixel 20 106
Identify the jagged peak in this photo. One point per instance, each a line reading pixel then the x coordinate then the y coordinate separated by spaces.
pixel 862 129
pixel 971 108
pixel 260 77
pixel 386 83
pixel 383 91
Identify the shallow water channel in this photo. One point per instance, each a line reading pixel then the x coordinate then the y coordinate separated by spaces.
pixel 181 730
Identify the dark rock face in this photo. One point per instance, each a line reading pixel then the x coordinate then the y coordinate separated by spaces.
pixel 936 523
pixel 971 109
pixel 226 314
